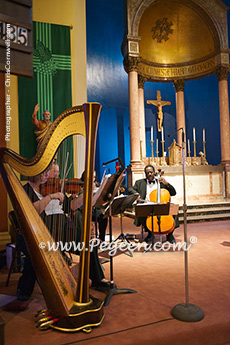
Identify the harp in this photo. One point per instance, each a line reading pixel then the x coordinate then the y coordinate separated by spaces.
pixel 69 305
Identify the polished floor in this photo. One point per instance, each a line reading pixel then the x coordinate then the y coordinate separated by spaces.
pixel 158 276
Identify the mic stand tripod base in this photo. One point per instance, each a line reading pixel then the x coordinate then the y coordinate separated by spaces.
pixel 123 238
pixel 150 246
pixel 187 312
pixel 111 291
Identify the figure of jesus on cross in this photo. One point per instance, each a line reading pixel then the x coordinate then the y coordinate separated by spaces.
pixel 159 104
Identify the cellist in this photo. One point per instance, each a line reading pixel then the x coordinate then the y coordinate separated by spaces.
pixel 144 187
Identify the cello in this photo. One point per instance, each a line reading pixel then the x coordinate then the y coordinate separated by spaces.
pixel 161 224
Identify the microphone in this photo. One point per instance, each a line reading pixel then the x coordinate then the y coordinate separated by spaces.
pixel 113 160
pixel 169 135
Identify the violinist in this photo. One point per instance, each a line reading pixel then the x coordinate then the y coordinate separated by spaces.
pixel 54 209
pixel 55 184
pixel 54 171
pixel 144 187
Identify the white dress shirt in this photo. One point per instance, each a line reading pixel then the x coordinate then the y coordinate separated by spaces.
pixel 149 188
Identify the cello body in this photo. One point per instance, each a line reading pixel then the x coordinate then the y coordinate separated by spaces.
pixel 161 224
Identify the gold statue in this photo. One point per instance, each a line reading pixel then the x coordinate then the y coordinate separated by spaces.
pixel 159 104
pixel 41 125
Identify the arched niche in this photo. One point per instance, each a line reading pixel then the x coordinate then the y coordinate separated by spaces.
pixel 175 39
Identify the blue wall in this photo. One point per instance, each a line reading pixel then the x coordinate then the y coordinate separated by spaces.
pixel 108 85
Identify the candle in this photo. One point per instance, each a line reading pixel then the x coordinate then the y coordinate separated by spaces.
pixel 188 146
pixel 194 134
pixel 151 133
pixel 157 145
pixel 162 134
pixel 203 134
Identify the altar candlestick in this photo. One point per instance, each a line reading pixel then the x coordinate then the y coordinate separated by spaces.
pixel 188 145
pixel 151 133
pixel 141 150
pixel 203 134
pixel 194 134
pixel 162 133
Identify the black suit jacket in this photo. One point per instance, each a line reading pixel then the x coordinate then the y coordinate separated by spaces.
pixel 140 187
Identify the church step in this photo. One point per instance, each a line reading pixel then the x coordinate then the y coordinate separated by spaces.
pixel 210 210
pixel 217 205
pixel 199 212
pixel 205 217
pixel 205 212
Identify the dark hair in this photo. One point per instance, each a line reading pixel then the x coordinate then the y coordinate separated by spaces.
pixel 83 176
pixel 150 166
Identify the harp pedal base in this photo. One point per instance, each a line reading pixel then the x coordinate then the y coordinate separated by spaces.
pixel 81 317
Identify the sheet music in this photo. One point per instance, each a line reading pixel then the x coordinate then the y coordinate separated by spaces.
pixel 97 195
pixel 120 203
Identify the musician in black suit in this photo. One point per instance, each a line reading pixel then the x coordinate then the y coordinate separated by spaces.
pixel 144 187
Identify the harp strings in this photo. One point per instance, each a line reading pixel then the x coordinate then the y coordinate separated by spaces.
pixel 66 227
pixel 63 225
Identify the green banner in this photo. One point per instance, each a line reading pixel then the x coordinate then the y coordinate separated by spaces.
pixel 50 85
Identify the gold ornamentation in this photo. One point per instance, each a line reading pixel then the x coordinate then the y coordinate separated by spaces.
pixel 141 81
pixel 162 29
pixel 157 72
pixel 131 64
pixel 179 85
pixel 174 154
pixel 222 73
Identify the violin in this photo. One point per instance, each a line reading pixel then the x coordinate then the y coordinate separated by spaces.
pixel 161 224
pixel 54 185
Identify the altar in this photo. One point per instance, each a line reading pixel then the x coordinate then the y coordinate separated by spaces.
pixel 204 183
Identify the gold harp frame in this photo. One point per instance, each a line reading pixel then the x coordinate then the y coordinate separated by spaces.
pixel 67 301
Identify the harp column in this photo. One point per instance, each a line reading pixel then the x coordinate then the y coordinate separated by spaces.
pixel 180 111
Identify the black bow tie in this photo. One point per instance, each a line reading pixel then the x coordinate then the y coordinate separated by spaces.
pixel 152 182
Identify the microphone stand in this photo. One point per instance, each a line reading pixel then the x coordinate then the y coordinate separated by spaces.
pixel 186 311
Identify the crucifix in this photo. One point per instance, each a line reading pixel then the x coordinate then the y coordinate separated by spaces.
pixel 159 104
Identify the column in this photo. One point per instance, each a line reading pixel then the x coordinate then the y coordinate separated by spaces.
pixel 222 75
pixel 180 111
pixel 141 81
pixel 131 65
